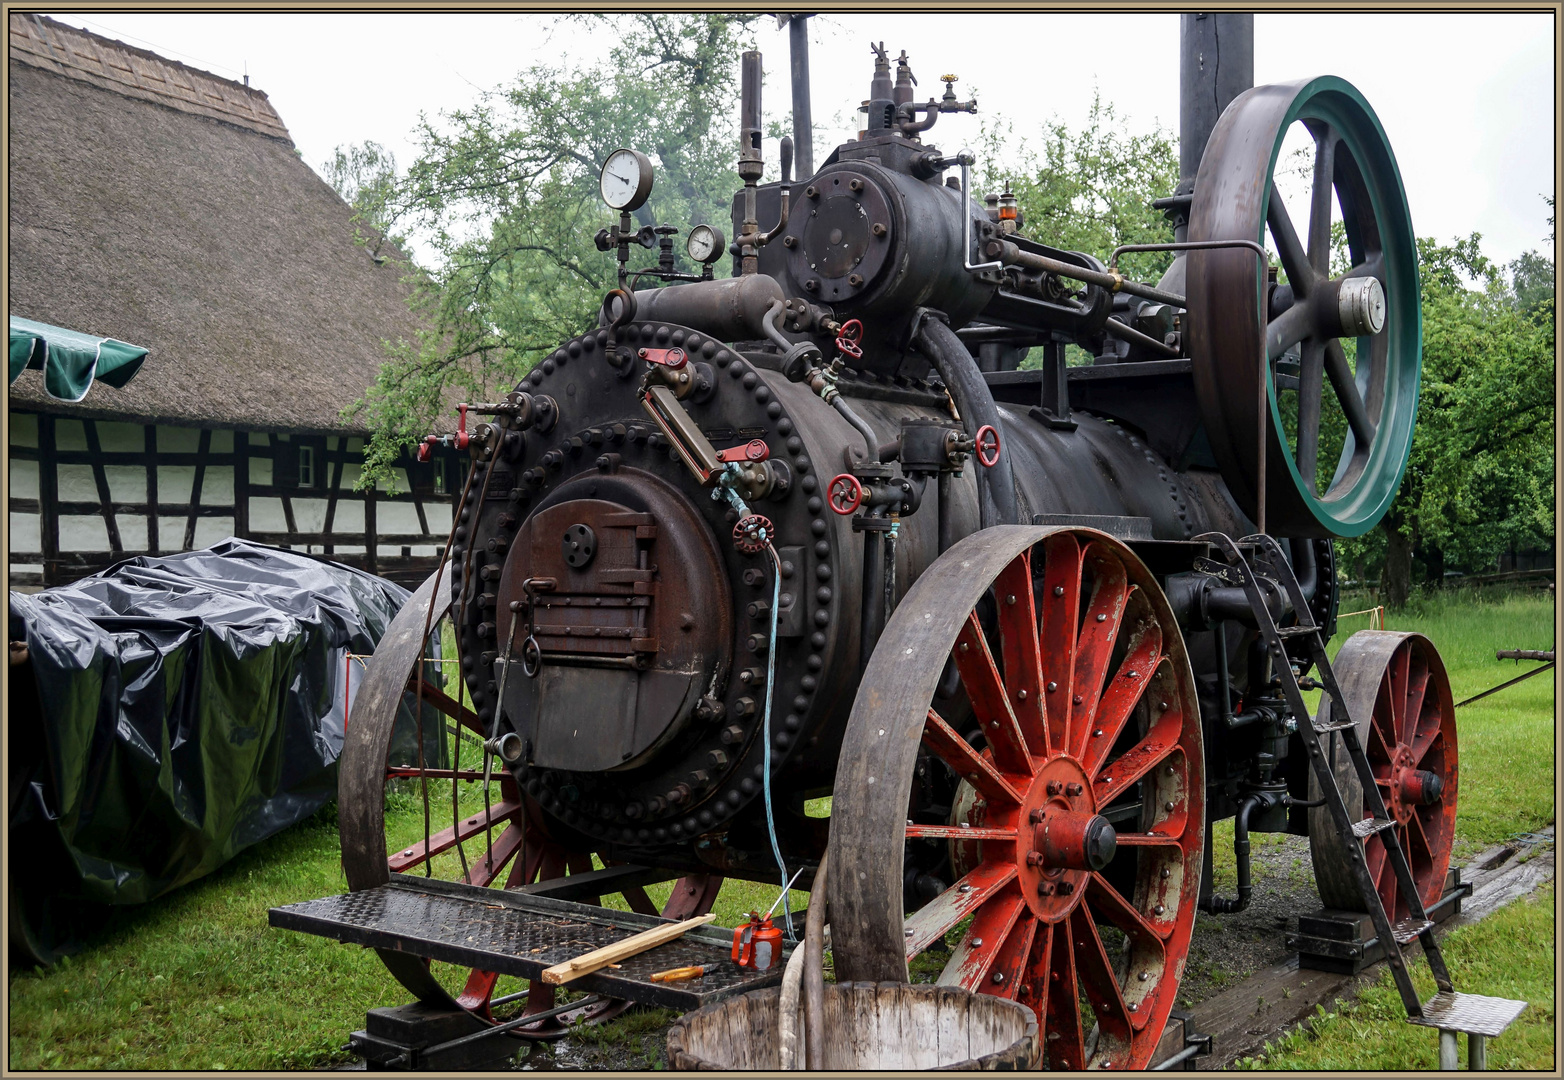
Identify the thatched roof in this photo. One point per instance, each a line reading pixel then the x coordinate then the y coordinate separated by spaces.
pixel 166 206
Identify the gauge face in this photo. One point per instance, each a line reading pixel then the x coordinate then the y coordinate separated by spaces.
pixel 704 244
pixel 626 179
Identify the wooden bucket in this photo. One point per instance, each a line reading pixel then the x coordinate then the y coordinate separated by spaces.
pixel 868 1026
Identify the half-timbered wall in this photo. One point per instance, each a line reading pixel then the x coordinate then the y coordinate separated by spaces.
pixel 87 493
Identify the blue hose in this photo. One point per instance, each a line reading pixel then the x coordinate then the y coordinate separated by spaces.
pixel 765 733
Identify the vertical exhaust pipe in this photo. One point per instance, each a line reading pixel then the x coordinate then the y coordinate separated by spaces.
pixel 803 123
pixel 1216 64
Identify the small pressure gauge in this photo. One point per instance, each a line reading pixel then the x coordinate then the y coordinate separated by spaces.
pixel 626 179
pixel 705 244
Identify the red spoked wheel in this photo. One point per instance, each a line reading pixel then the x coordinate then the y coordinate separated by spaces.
pixel 1046 821
pixel 491 836
pixel 1395 685
pixel 845 494
pixel 987 445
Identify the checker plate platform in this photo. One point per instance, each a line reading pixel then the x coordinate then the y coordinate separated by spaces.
pixel 1471 1013
pixel 516 934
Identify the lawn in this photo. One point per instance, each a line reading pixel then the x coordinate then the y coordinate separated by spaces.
pixel 198 980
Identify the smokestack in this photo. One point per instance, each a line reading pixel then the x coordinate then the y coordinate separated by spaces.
pixel 1216 64
pixel 803 124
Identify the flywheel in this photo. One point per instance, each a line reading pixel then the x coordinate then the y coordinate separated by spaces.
pixel 1049 814
pixel 1341 327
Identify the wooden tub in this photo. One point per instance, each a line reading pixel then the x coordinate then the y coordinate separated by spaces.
pixel 868 1026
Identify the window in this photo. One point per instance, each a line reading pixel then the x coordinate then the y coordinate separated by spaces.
pixel 306 466
pixel 439 476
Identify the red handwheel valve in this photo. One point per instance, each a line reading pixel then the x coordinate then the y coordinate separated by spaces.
pixel 987 444
pixel 844 493
pixel 848 342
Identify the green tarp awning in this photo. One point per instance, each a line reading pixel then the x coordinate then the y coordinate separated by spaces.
pixel 70 360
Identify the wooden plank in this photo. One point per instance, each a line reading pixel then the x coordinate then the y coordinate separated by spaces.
pixel 202 449
pixel 48 498
pixel 101 479
pixel 149 440
pixel 633 945
pixel 241 483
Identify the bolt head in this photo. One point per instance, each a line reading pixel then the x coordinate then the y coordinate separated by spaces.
pixel 1054 787
pixel 999 978
pixel 1073 790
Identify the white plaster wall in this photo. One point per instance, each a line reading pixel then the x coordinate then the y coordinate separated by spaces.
pixel 261 471
pixel 77 484
pixel 222 442
pixel 117 438
pixel 217 486
pixel 23 534
pixel 133 532
pixel 209 530
pixel 349 517
pixel 24 429
pixel 81 533
pixel 174 482
pixel 439 515
pixel 396 517
pixel 127 483
pixel 266 515
pixel 310 515
pixel 179 440
pixel 24 479
pixel 69 435
pixel 171 533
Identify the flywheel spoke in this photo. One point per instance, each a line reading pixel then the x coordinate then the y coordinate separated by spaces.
pixel 1295 260
pixel 450 707
pixel 1287 329
pixel 971 961
pixel 1417 690
pixel 494 861
pixel 967 763
pixel 1007 974
pixel 414 854
pixel 957 832
pixel 1346 387
pixel 990 702
pixel 1320 200
pixel 1105 899
pixel 1400 664
pixel 1061 611
pixel 1424 744
pixel 932 921
pixel 1311 390
pixel 1063 1035
pixel 1019 649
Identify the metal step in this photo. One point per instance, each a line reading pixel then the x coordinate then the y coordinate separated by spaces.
pixel 1296 631
pixel 1334 725
pixel 1369 826
pixel 512 933
pixel 1474 1014
pixel 1408 929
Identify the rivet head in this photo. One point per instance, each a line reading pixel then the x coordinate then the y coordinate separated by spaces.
pixel 1166 873
pixel 1058 590
pixel 1101 617
pixel 1052 687
pixel 963 646
pixel 1021 694
pixel 999 978
pixel 1132 1006
pixel 977 943
pixel 1010 599
pixel 1076 699
pixel 1097 734
pixel 1168 806
pixel 1158 910
pixel 907 932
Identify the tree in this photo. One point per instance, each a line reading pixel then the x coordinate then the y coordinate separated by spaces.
pixel 365 176
pixel 1479 480
pixel 506 195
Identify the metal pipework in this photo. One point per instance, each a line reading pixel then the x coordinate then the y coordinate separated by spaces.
pixel 750 166
pixel 727 309
pixel 1008 254
pixel 803 125
pixel 959 372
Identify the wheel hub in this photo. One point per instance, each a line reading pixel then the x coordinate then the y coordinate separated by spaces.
pixel 1060 839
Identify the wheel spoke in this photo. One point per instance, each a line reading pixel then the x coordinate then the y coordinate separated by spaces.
pixel 970 961
pixel 1123 693
pixel 1400 663
pixel 956 832
pixel 449 706
pixel 1094 648
pixel 1149 840
pixel 1010 965
pixel 1020 651
pixel 1101 986
pixel 1135 762
pixel 1425 743
pixel 1417 691
pixel 414 854
pixel 635 896
pixel 1311 389
pixel 479 989
pixel 1300 275
pixel 1320 201
pixel 1384 720
pixel 486 869
pixel 972 766
pixel 1063 1035
pixel 1345 384
pixel 1107 901
pixel 990 703
pixel 932 921
pixel 1061 612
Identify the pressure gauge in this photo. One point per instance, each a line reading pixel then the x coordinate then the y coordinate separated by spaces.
pixel 705 244
pixel 626 179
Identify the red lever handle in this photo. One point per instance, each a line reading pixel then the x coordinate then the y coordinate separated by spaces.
pixel 754 450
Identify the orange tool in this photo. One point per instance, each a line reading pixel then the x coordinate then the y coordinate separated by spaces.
pixel 678 974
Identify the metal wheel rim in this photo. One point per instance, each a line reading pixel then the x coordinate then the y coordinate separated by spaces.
pixel 1226 300
pixel 1395 685
pixel 1042 950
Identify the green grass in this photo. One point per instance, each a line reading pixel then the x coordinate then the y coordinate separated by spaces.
pixel 1509 954
pixel 197 980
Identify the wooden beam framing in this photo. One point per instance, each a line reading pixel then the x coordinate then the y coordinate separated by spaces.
pixel 202 449
pixel 101 479
pixel 149 441
pixel 48 498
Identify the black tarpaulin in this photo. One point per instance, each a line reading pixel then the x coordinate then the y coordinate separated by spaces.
pixel 171 712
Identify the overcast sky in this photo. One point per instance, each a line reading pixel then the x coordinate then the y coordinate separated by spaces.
pixel 1466 99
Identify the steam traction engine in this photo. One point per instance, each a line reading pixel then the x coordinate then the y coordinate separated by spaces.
pixel 807 530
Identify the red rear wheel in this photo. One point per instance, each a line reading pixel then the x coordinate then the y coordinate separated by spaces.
pixel 1051 813
pixel 1395 685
